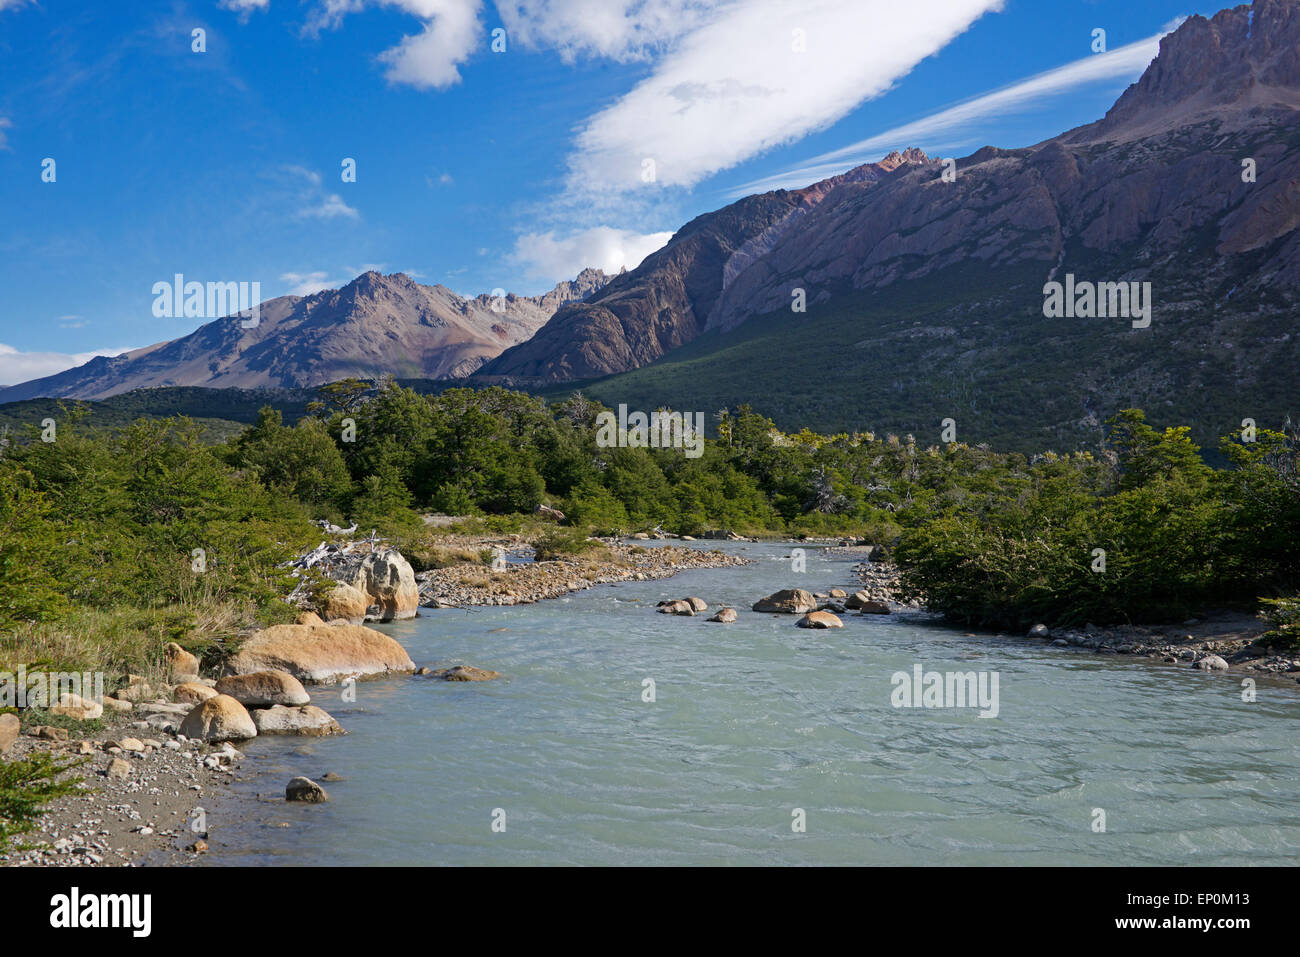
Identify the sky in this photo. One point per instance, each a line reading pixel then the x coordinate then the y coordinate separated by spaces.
pixel 496 145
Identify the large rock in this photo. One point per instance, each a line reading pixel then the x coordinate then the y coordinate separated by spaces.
pixel 874 608
pixel 191 692
pixel 725 615
pixel 345 602
pixel 9 726
pixel 697 604
pixel 321 653
pixel 306 791
pixel 384 577
pixel 219 719
pixel 788 601
pixel 179 662
pixel 307 720
pixel 262 689
pixel 820 619
pixel 679 607
pixel 1211 663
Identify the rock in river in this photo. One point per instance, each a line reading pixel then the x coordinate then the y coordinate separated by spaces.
pixel 307 720
pixel 465 673
pixel 820 619
pixel 305 790
pixel 725 615
pixel 788 601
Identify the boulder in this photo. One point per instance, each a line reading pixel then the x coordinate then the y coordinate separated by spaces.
pixel 788 601
pixel 191 692
pixel 343 602
pixel 9 727
pixel 725 615
pixel 874 608
pixel 309 618
pixel 307 720
pixel 697 604
pixel 219 719
pixel 545 511
pixel 1040 631
pixel 838 593
pixel 116 704
pixel 125 744
pixel 47 733
pixel 139 690
pixel 465 673
pixel 321 653
pixel 679 607
pixel 117 768
pixel 386 580
pixel 857 600
pixel 75 706
pixel 306 791
pixel 1211 663
pixel 820 619
pixel 261 689
pixel 178 661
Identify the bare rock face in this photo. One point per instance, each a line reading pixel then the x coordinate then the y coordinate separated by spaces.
pixel 219 719
pixel 374 325
pixel 820 619
pixel 306 721
pixel 788 601
pixel 262 689
pixel 383 578
pixel 322 653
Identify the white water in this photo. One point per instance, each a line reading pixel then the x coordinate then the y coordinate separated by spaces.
pixel 757 718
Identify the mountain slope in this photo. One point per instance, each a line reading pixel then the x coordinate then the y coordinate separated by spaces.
pixel 375 324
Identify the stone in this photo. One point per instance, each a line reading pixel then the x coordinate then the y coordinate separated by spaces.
pixel 1040 631
pixel 1211 663
pixel 725 615
pixel 839 593
pixel 385 578
pixel 697 604
pixel 465 673
pixel 307 720
pixel 127 744
pixel 788 601
pixel 75 706
pixel 261 689
pixel 191 692
pixel 820 619
pixel 873 608
pixel 9 728
pixel 46 733
pixel 219 719
pixel 198 847
pixel 118 768
pixel 306 791
pixel 117 704
pixel 321 653
pixel 178 661
pixel 676 608
pixel 344 602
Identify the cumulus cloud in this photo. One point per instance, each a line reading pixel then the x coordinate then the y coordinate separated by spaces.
pixel 954 125
pixel 17 366
pixel 758 74
pixel 545 256
pixel 430 59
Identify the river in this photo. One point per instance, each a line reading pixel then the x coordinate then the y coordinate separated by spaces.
pixel 756 721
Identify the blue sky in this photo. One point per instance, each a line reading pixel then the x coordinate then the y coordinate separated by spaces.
pixel 475 169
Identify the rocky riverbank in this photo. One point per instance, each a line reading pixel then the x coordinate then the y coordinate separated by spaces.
pixel 140 797
pixel 523 582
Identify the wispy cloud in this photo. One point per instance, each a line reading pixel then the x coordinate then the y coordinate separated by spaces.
pixel 955 125
pixel 546 256
pixel 5 124
pixel 313 200
pixel 17 366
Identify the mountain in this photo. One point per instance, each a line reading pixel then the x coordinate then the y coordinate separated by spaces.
pixel 375 324
pixel 926 294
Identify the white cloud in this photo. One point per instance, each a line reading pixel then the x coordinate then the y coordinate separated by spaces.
pixel 243 6
pixel 736 86
pixel 11 4
pixel 306 283
pixel 547 257
pixel 616 29
pixel 4 125
pixel 329 207
pixel 429 59
pixel 16 366
pixel 954 125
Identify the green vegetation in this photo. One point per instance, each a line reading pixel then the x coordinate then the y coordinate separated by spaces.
pixel 26 786
pixel 114 542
